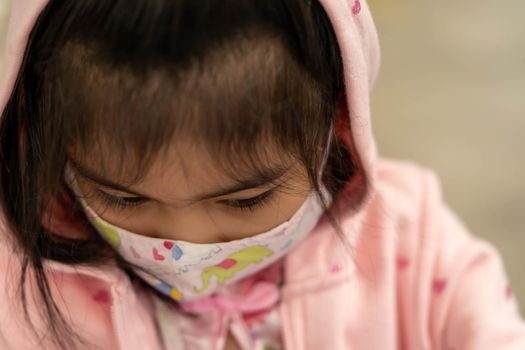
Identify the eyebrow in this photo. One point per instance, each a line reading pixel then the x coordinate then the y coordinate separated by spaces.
pixel 262 177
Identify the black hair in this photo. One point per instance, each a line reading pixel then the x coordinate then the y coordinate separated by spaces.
pixel 235 71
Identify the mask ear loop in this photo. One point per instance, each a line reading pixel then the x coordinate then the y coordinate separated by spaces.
pixel 69 177
pixel 326 197
pixel 71 182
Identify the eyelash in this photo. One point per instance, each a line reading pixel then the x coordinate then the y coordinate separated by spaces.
pixel 248 204
pixel 118 202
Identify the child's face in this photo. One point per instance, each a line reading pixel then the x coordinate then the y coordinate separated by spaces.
pixel 184 197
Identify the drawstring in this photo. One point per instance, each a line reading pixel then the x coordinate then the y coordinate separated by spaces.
pixel 262 296
pixel 253 295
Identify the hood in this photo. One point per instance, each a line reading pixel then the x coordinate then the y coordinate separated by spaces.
pixel 359 47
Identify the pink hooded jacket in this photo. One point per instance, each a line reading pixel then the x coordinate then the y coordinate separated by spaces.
pixel 416 278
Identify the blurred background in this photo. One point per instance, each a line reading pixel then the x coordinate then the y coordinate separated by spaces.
pixel 451 96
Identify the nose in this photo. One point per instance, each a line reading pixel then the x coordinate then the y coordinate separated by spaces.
pixel 192 224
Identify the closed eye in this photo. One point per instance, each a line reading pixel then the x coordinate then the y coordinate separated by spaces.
pixel 119 202
pixel 252 203
pixel 127 202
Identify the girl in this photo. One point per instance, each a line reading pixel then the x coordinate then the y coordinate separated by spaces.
pixel 202 175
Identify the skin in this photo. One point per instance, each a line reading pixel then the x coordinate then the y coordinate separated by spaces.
pixel 172 204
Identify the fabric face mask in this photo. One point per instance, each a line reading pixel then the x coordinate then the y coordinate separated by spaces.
pixel 189 271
